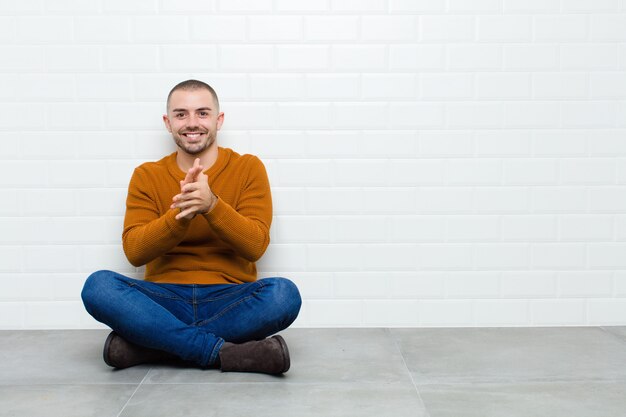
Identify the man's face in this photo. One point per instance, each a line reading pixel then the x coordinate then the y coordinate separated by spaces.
pixel 193 120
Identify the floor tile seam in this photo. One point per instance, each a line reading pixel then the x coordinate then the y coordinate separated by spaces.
pixel 30 384
pixel 325 383
pixel 526 381
pixel 417 392
pixel 133 394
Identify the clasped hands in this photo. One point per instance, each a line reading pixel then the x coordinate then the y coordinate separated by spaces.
pixel 195 195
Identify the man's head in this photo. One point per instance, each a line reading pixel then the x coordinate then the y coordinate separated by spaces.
pixel 193 117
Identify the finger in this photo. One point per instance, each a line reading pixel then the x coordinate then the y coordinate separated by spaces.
pixel 184 213
pixel 188 188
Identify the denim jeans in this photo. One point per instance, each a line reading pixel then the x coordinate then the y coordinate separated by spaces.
pixel 191 321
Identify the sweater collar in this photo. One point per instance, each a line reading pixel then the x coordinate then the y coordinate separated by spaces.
pixel 223 156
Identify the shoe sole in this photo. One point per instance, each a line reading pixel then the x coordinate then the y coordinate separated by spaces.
pixel 286 359
pixel 105 352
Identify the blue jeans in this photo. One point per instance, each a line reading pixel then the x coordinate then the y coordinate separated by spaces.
pixel 191 321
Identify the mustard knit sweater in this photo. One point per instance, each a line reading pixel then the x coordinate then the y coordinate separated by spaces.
pixel 218 247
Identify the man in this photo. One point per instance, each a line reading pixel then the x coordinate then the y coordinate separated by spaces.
pixel 198 219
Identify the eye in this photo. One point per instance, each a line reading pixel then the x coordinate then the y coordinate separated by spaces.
pixel 204 113
pixel 179 115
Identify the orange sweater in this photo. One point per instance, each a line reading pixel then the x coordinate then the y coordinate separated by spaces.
pixel 218 247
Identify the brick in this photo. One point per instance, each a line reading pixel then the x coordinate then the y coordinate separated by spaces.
pixel 103 87
pixel 63 116
pixel 606 255
pixel 251 115
pixel 508 28
pixel 501 312
pixel 608 84
pixel 445 313
pixel 532 114
pixel 333 200
pixel 473 57
pixel 350 285
pixel 331 28
pixel 528 284
pixel 559 85
pixel 245 6
pixel 333 313
pixel 160 28
pixel 444 257
pixel 288 200
pixel 110 257
pixel 619 280
pixel 359 115
pixel 529 228
pixel 122 6
pixel 608 27
pixel 135 115
pixel 501 256
pixel 301 6
pixel 500 200
pixel 416 57
pixel 304 173
pixel 101 202
pixel 558 312
pixel 524 171
pixel 360 6
pixel 413 228
pixel 22 58
pixel 176 7
pixel 503 85
pixel 385 257
pixel 475 115
pixel 27 178
pixel 472 228
pixel 589 57
pixel 587 171
pixel 118 172
pixel 188 58
pixel 417 6
pixel 409 115
pixel 304 115
pixel 76 174
pixel 606 312
pixel 446 86
pixel 23 7
pixel 531 57
pixel 444 199
pixel 559 199
pixel 246 57
pixel 446 28
pixel 11 259
pixel 588 114
pixel 45 29
pixel 332 144
pixel 302 229
pixel 558 256
pixel 590 5
pixel 502 142
pixel 45 87
pixel 302 57
pixel 560 143
pixel 72 7
pixel 312 285
pixel 131 58
pixel 400 143
pixel 389 86
pixel 359 229
pixel 284 257
pixel 332 86
pixel 413 172
pixel 218 28
pixel 8 29
pixel 105 145
pixel 389 28
pixel 113 29
pixel 56 202
pixel 275 28
pixel 276 86
pixel 416 285
pixel 445 144
pixel 473 172
pixel 335 257
pixel 460 285
pixel 391 313
pixel 278 144
pixel 367 173
pixel 535 6
pixel 389 200
pixel 359 57
pixel 51 258
pixel 228 86
pixel 585 284
pixel 484 6
pixel 564 28
pixel 154 87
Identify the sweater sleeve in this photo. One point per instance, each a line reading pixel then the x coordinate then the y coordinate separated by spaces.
pixel 147 235
pixel 246 227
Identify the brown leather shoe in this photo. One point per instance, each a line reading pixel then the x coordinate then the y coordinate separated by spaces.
pixel 120 353
pixel 268 356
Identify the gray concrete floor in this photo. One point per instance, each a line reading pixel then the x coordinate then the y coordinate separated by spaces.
pixel 479 372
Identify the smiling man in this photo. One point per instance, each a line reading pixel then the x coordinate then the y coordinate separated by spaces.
pixel 198 219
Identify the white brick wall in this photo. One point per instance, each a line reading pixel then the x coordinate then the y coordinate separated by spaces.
pixel 433 163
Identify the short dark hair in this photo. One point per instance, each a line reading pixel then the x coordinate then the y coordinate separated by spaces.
pixel 190 85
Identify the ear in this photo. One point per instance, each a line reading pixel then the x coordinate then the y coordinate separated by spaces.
pixel 220 120
pixel 166 120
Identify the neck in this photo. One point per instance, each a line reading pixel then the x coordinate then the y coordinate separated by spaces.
pixel 207 158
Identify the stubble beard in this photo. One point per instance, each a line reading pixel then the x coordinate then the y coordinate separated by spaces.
pixel 195 148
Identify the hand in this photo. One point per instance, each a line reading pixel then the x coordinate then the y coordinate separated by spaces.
pixel 196 196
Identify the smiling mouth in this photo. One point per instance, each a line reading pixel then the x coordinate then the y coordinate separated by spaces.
pixel 192 135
